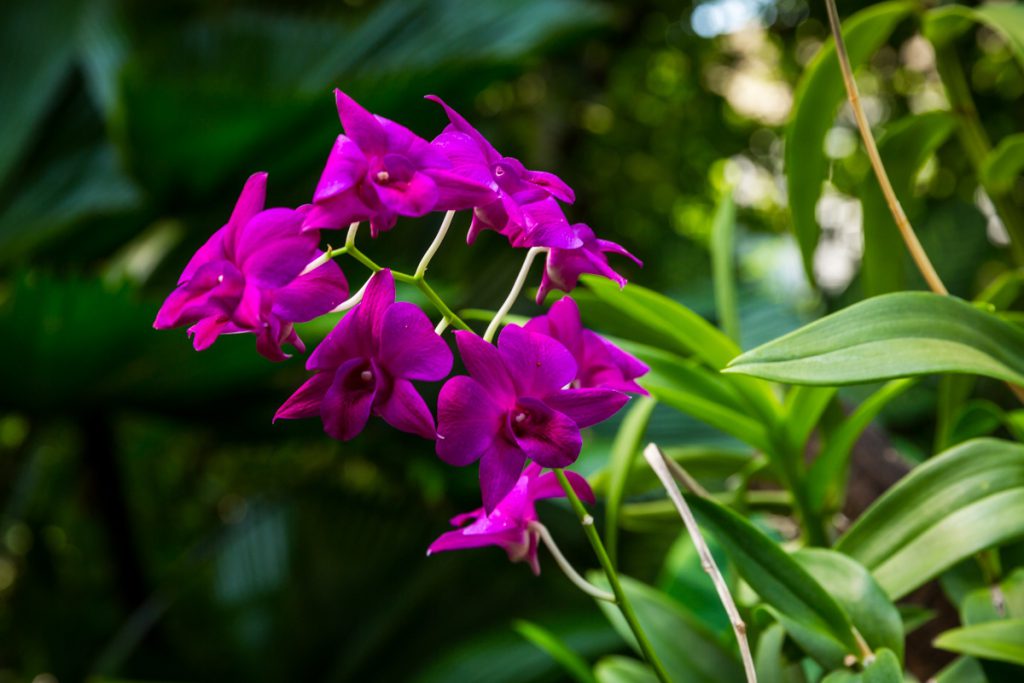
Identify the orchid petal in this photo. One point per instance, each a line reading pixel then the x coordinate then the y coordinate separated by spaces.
pixel 538 363
pixel 306 400
pixel 360 125
pixel 467 421
pixel 500 467
pixel 587 407
pixel 346 405
pixel 346 167
pixel 486 365
pixel 546 436
pixel 410 348
pixel 548 486
pixel 405 410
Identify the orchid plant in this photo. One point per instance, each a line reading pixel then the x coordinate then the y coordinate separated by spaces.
pixel 819 606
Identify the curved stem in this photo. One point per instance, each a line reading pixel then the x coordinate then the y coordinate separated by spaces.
pixel 917 252
pixel 625 606
pixel 661 466
pixel 351 301
pixel 567 569
pixel 421 269
pixel 517 287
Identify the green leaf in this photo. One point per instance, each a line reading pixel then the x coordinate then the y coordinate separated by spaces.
pixel 885 669
pixel 803 408
pixel 817 98
pixel 686 649
pixel 807 610
pixel 905 147
pixel 723 266
pixel 826 479
pixel 658 320
pixel 1001 641
pixel 870 609
pixel 573 664
pixel 1006 19
pixel 617 669
pixel 769 661
pixel 624 449
pixel 890 336
pixel 966 499
pixel 962 670
pixel 1003 164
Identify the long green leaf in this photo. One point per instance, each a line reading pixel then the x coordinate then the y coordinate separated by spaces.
pixel 885 668
pixel 778 578
pixel 654 316
pixel 905 147
pixel 966 499
pixel 1002 641
pixel 962 670
pixel 723 238
pixel 890 336
pixel 618 669
pixel 826 480
pixel 624 449
pixel 817 98
pixel 803 408
pixel 687 651
pixel 572 663
pixel 1004 164
pixel 870 609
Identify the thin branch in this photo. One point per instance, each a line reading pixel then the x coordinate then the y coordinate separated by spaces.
pixel 421 269
pixel 567 568
pixel 659 463
pixel 517 287
pixel 906 230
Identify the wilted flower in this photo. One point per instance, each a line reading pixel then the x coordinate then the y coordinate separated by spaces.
pixel 380 170
pixel 564 266
pixel 364 366
pixel 522 207
pixel 599 362
pixel 247 278
pixel 511 524
pixel 514 406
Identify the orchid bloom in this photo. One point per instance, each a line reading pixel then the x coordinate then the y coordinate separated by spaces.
pixel 599 362
pixel 563 267
pixel 366 364
pixel 523 206
pixel 514 406
pixel 511 525
pixel 379 170
pixel 249 277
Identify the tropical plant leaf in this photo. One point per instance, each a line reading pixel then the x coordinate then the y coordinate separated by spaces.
pixel 1002 641
pixel 1004 164
pixel 894 335
pixel 572 663
pixel 817 98
pixel 964 500
pixel 617 669
pixel 624 449
pixel 723 266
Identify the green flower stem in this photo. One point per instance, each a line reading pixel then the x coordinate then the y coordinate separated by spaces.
pixel 587 522
pixel 421 269
pixel 418 280
pixel 975 141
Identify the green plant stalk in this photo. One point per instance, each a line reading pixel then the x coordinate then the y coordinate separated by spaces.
pixel 792 475
pixel 418 280
pixel 587 522
pixel 975 141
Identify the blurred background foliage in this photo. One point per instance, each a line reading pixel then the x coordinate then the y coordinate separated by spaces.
pixel 154 525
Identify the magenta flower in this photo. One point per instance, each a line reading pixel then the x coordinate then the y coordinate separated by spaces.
pixel 564 266
pixel 366 364
pixel 599 362
pixel 380 170
pixel 514 406
pixel 247 278
pixel 511 524
pixel 523 206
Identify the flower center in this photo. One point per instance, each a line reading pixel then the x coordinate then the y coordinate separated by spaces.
pixel 520 416
pixel 366 375
pixel 499 171
pixel 220 278
pixel 383 176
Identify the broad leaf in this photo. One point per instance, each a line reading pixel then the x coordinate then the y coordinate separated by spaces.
pixel 817 98
pixel 966 499
pixel 1004 164
pixel 889 336
pixel 811 615
pixel 885 668
pixel 1001 641
pixel 905 147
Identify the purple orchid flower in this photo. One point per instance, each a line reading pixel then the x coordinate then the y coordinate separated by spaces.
pixel 510 525
pixel 599 362
pixel 366 364
pixel 248 277
pixel 564 266
pixel 523 206
pixel 514 406
pixel 380 170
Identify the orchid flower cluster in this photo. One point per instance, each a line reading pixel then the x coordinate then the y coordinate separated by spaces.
pixel 524 400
